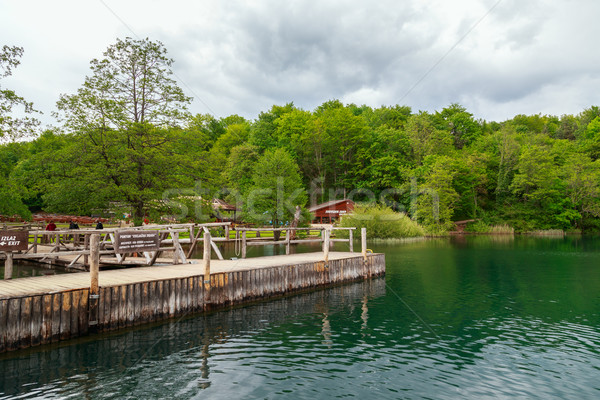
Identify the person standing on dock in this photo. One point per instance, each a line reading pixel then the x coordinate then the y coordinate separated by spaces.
pixel 51 227
pixel 99 225
pixel 73 225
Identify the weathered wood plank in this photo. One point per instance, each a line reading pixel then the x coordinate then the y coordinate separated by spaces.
pixel 114 307
pixel 160 293
pixel 65 316
pixel 3 324
pixel 36 321
pixel 171 297
pixel 25 323
pixel 83 319
pixel 146 308
pixel 152 302
pixel 56 315
pixel 12 324
pixel 123 306
pixel 75 296
pixel 177 296
pixel 48 302
pixel 130 309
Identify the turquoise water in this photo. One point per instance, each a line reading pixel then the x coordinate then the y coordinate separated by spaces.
pixel 475 317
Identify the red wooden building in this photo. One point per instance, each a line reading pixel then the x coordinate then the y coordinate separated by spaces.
pixel 328 213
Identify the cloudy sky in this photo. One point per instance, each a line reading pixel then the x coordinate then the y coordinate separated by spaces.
pixel 497 58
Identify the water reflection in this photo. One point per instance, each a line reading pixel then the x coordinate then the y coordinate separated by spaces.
pixel 122 364
pixel 473 317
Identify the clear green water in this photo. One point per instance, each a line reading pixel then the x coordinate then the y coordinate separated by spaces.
pixel 475 317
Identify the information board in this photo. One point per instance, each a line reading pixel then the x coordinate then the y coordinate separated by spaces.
pixel 136 241
pixel 14 240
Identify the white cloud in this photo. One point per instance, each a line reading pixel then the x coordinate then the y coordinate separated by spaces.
pixel 240 57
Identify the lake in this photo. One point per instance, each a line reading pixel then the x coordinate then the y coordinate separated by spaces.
pixel 462 317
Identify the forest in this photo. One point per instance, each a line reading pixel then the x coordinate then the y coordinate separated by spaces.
pixel 126 143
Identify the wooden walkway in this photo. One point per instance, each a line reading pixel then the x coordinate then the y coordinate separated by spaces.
pixel 40 285
pixel 47 309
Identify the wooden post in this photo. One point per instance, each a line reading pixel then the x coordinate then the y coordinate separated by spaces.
pixel 94 286
pixel 227 232
pixel 351 240
pixel 8 266
pixel 86 246
pixel 363 242
pixel 244 244
pixel 206 261
pixel 288 237
pixel 175 237
pixel 326 245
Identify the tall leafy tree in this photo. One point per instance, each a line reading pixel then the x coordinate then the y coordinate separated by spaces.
pixel 277 189
pixel 12 127
pixel 124 115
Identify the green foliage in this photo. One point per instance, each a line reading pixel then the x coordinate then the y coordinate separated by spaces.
pixel 276 189
pixel 437 199
pixel 381 222
pixel 130 145
pixel 13 127
pixel 124 116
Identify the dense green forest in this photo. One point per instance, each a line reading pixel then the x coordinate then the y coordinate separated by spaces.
pixel 127 142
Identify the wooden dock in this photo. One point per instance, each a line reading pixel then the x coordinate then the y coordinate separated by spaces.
pixel 46 309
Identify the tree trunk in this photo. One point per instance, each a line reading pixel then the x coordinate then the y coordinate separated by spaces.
pixel 295 223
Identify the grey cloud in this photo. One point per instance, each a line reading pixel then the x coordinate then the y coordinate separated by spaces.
pixel 276 52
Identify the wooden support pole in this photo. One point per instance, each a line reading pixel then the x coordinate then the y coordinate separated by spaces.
pixel 175 236
pixel 288 237
pixel 206 262
pixel 94 286
pixel 227 232
pixel 244 244
pixel 326 245
pixel 86 246
pixel 8 266
pixel 363 242
pixel 351 240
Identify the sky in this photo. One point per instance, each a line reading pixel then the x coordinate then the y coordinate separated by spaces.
pixel 497 58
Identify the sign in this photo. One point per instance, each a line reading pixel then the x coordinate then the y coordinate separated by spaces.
pixel 136 241
pixel 14 240
pixel 335 211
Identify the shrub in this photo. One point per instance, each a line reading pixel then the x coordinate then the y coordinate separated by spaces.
pixel 381 222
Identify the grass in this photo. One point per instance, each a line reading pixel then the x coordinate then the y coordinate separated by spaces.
pixel 548 232
pixel 381 223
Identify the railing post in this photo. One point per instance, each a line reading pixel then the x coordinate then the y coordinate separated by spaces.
pixel 287 241
pixel 244 244
pixel 94 273
pixel 351 240
pixel 206 262
pixel 326 245
pixel 363 242
pixel 86 246
pixel 8 265
pixel 226 232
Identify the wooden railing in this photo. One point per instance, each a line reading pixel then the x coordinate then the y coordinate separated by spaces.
pixel 73 247
pixel 324 237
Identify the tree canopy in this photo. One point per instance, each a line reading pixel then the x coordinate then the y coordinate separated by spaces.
pixel 127 142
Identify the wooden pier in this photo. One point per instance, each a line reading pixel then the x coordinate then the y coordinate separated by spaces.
pixel 46 309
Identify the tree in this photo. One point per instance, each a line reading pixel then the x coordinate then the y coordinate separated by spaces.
pixel 464 129
pixel 124 115
pixel 437 197
pixel 425 139
pixel 277 189
pixel 11 127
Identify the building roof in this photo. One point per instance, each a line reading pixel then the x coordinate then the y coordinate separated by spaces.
pixel 222 205
pixel 328 204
